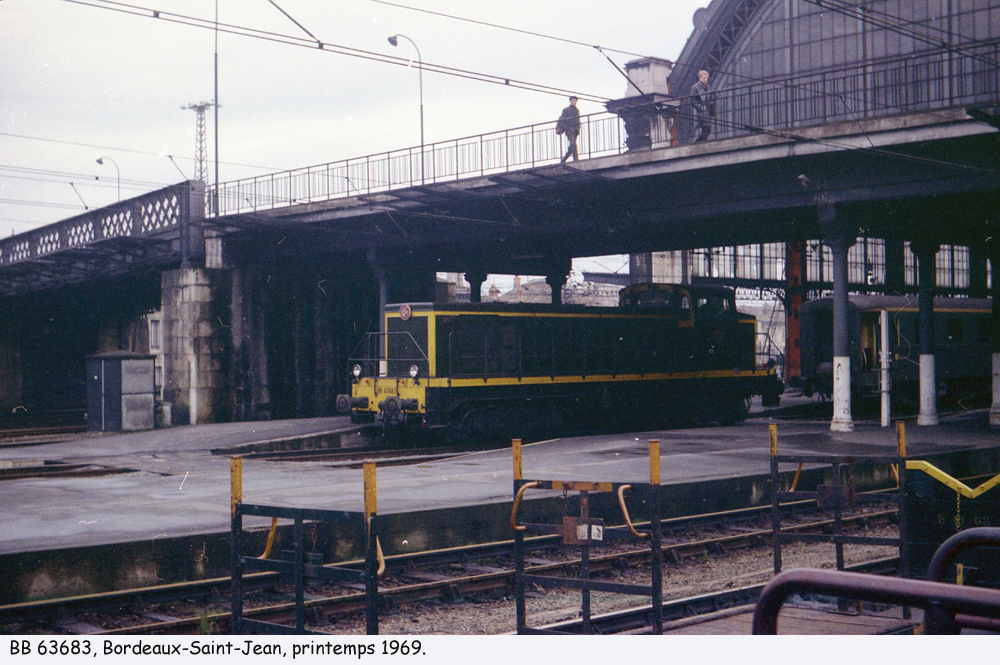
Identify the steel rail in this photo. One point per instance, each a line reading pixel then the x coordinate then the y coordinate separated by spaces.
pixel 469 584
pixel 681 612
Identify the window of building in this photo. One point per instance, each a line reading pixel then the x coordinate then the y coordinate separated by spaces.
pixel 909 265
pixel 155 338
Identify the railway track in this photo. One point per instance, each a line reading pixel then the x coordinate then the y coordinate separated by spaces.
pixel 35 435
pixel 683 612
pixel 447 575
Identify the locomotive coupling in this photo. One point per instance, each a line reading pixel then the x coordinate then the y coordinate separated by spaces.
pixel 391 406
pixel 345 403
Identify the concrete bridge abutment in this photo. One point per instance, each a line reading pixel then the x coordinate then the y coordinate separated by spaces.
pixel 196 344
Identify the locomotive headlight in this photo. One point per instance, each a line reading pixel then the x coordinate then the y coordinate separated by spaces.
pixel 414 371
pixel 356 371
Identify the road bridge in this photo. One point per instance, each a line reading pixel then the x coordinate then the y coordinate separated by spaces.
pixel 260 287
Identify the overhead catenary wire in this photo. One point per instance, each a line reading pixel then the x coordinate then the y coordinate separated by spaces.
pixel 508 28
pixel 33 222
pixel 343 50
pixel 95 182
pixel 70 175
pixel 811 88
pixel 298 41
pixel 40 204
pixel 746 127
pixel 328 47
pixel 290 18
pixel 133 151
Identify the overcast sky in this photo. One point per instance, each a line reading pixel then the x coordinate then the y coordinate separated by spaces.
pixel 73 74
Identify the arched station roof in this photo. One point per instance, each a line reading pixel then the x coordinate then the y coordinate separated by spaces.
pixel 843 58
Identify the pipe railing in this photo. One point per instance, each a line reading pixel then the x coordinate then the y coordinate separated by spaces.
pixel 934 79
pixel 951 599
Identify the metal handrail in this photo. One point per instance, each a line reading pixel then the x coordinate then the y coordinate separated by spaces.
pixel 368 358
pixel 517 505
pixel 502 151
pixel 768 350
pixel 952 599
pixel 938 621
pixel 628 520
pixel 963 540
pixel 486 357
pixel 889 86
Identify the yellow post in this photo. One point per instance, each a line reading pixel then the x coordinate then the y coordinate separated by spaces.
pixel 371 497
pixel 371 507
pixel 235 484
pixel 901 438
pixel 654 461
pixel 515 445
pixel 772 434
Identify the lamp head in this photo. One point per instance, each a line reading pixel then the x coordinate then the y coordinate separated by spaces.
pixel 393 40
pixel 100 160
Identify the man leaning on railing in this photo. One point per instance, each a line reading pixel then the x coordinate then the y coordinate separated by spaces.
pixel 704 106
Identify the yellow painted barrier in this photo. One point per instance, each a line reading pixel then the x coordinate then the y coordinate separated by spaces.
pixel 955 484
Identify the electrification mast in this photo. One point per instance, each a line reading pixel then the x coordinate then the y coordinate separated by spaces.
pixel 201 140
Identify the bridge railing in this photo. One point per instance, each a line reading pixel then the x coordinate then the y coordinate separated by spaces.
pixel 147 215
pixel 486 154
pixel 934 79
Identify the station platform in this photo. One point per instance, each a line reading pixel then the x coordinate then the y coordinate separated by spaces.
pixel 157 508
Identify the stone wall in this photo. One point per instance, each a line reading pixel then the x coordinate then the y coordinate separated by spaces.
pixel 11 384
pixel 196 344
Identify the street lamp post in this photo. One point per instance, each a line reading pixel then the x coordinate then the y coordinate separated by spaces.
pixel 100 160
pixel 394 40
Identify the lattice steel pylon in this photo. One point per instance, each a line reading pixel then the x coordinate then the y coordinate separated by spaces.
pixel 201 140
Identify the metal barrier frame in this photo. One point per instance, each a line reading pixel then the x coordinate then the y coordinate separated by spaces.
pixel 834 496
pixel 953 600
pixel 298 568
pixel 939 621
pixel 585 584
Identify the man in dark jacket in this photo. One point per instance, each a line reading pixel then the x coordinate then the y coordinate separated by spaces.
pixel 704 106
pixel 569 124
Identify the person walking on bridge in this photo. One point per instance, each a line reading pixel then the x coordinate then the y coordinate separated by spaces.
pixel 569 124
pixel 704 106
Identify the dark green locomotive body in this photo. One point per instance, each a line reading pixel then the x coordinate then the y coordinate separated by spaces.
pixel 667 354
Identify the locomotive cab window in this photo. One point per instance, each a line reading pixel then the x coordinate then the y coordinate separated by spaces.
pixel 714 307
pixel 655 299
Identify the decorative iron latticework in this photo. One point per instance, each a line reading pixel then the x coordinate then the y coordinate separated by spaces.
pixel 148 228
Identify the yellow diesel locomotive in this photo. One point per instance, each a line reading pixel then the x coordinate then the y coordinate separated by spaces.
pixel 669 354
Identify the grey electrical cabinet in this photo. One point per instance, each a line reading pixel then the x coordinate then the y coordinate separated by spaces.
pixel 120 392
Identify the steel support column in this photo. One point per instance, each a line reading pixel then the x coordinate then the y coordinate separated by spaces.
pixel 556 282
pixel 795 253
pixel 640 268
pixel 842 421
pixel 928 376
pixel 995 334
pixel 475 278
